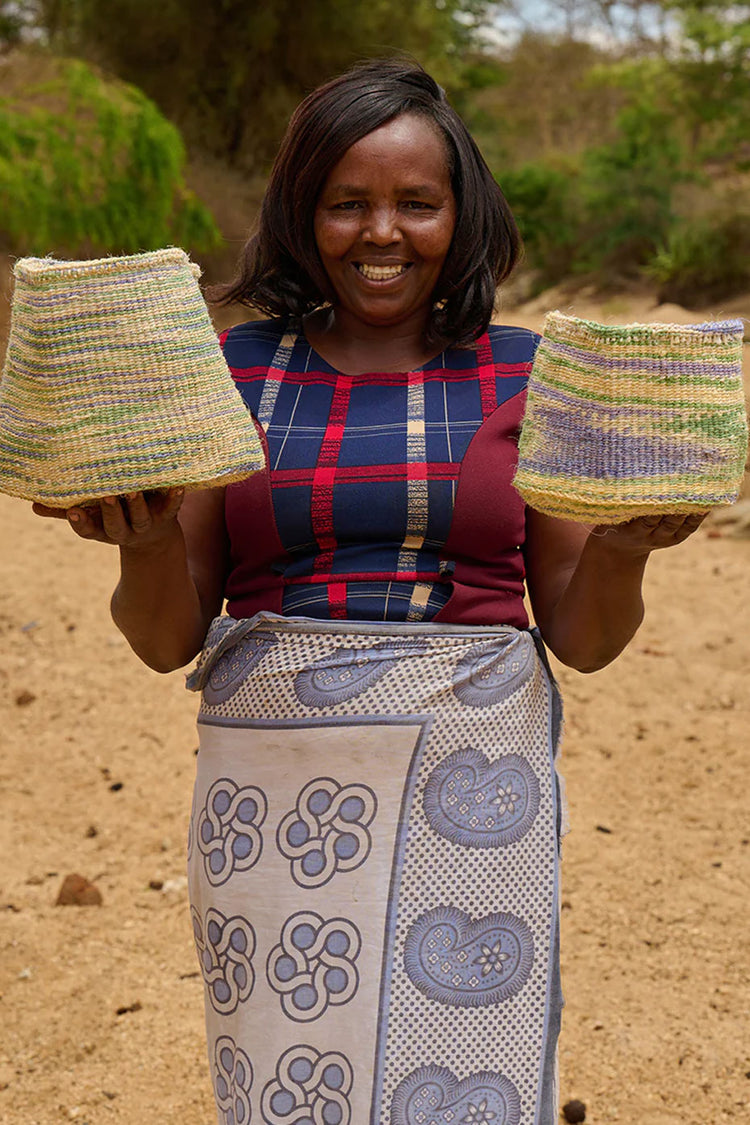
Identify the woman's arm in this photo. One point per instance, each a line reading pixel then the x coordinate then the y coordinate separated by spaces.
pixel 173 568
pixel 585 585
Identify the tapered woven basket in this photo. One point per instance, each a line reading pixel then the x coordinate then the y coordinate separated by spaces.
pixel 114 382
pixel 630 420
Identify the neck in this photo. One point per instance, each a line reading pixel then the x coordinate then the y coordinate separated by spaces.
pixel 356 347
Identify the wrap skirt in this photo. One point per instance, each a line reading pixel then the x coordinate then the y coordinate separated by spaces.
pixel 373 864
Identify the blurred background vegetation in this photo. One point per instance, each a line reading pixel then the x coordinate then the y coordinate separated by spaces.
pixel 618 129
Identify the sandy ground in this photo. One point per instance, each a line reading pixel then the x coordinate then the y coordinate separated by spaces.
pixel 101 1006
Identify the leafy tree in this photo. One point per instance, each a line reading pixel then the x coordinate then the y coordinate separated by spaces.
pixel 712 66
pixel 229 73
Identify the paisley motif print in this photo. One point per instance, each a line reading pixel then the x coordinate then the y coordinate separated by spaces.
pixel 433 1095
pixel 229 671
pixel 347 672
pixel 488 674
pixel 468 964
pixel 479 803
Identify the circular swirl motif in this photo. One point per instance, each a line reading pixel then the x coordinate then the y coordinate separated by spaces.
pixel 491 673
pixel 347 672
pixel 310 1088
pixel 232 1079
pixel 468 964
pixel 225 950
pixel 232 666
pixel 327 830
pixel 432 1095
pixel 481 804
pixel 228 830
pixel 313 964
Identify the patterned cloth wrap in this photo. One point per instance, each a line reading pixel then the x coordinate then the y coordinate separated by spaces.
pixel 631 420
pixel 114 382
pixel 373 872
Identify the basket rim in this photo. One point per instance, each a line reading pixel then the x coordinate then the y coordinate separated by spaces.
pixel 40 270
pixel 560 323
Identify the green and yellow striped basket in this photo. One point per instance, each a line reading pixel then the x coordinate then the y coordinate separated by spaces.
pixel 114 382
pixel 631 420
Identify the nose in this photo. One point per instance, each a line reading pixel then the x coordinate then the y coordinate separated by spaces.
pixel 382 227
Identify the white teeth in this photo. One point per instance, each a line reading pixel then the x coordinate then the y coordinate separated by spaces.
pixel 379 273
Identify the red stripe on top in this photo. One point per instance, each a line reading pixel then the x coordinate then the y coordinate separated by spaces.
pixel 487 375
pixel 365 576
pixel 321 508
pixel 337 599
pixel 353 474
pixel 416 470
pixel 387 379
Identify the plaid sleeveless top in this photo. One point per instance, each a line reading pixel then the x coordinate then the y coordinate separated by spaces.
pixel 387 496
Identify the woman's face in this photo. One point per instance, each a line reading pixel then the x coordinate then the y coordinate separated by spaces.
pixel 384 223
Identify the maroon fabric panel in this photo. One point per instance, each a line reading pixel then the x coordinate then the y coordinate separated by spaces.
pixel 488 528
pixel 255 545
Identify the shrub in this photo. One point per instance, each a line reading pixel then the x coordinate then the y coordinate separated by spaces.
pixel 703 259
pixel 89 165
pixel 627 190
pixel 541 198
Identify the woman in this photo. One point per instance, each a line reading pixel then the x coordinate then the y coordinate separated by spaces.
pixel 374 842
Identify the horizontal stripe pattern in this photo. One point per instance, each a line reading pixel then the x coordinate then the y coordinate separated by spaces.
pixel 115 382
pixel 630 420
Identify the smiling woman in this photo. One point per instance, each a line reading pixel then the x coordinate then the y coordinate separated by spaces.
pixel 383 227
pixel 374 845
pixel 346 130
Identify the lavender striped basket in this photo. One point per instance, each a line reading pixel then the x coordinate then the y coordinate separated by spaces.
pixel 114 382
pixel 631 420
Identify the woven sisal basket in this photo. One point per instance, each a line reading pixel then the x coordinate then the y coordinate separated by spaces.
pixel 114 382
pixel 632 420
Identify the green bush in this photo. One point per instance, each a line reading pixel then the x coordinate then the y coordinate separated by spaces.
pixel 89 165
pixel 704 259
pixel 541 197
pixel 626 192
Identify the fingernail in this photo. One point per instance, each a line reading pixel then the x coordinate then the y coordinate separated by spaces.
pixel 74 517
pixel 130 495
pixel 111 500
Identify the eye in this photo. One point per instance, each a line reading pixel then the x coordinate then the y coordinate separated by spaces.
pixel 347 205
pixel 417 205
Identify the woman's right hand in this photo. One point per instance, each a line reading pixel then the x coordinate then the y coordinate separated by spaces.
pixel 137 521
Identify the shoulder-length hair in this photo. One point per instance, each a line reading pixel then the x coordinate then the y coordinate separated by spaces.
pixel 280 270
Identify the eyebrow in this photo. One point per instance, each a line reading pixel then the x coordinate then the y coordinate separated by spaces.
pixel 357 189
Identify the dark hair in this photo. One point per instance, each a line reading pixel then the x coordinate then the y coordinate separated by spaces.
pixel 281 272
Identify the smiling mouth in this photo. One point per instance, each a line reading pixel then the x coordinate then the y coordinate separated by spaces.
pixel 381 273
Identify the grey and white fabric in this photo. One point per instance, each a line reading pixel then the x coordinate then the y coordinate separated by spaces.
pixel 373 870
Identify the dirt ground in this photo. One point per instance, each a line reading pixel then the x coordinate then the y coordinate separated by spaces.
pixel 101 1006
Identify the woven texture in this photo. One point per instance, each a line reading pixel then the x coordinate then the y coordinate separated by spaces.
pixel 114 382
pixel 631 420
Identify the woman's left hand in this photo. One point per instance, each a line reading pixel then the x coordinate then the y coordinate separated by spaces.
pixel 648 533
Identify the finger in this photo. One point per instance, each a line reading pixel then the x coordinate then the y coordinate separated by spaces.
pixel 86 522
pixel 139 513
pixel 175 496
pixel 114 522
pixel 50 513
pixel 689 524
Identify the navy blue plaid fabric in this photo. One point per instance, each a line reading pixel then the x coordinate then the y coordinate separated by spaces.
pixel 364 468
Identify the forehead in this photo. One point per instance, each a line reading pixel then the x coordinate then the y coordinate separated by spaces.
pixel 409 148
